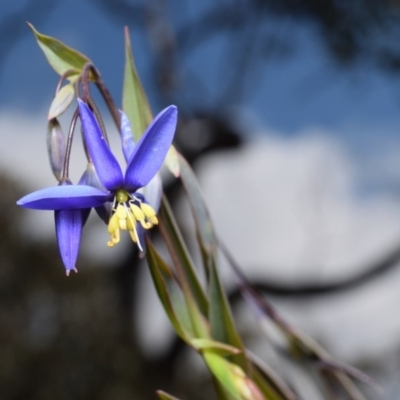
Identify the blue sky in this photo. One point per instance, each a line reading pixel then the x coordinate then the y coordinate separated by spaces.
pixel 290 94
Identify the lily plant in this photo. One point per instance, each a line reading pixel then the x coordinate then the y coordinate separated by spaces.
pixel 130 209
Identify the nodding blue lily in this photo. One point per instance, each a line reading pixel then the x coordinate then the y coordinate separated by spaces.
pixel 152 192
pixel 128 207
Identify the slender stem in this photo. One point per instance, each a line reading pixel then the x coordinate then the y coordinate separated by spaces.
pixel 105 93
pixel 64 76
pixel 109 101
pixel 99 118
pixel 85 79
pixel 69 146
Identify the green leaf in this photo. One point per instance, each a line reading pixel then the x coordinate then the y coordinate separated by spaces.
pixel 134 99
pixel 222 393
pixel 165 396
pixel 199 209
pixel 158 269
pixel 136 105
pixel 179 304
pixel 61 57
pixel 223 327
pixel 217 347
pixel 233 378
pixel 222 324
pixel 180 256
pixel 222 370
pixel 61 101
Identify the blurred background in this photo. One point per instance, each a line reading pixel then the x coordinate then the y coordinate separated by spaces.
pixel 289 114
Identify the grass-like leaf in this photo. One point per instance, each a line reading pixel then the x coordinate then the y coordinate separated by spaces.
pixel 159 271
pixel 62 58
pixel 180 256
pixel 165 396
pixel 134 99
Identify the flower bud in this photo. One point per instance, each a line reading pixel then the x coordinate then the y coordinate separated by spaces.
pixel 55 147
pixel 61 101
pixel 246 388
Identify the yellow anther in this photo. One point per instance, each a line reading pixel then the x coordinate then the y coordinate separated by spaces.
pixel 115 237
pixel 137 212
pixel 113 224
pixel 126 215
pixel 113 230
pixel 149 213
pixel 139 216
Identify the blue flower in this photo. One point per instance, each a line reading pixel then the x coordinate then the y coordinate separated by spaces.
pixel 152 192
pixel 128 207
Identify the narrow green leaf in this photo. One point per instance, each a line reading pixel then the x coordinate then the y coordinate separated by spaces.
pixel 222 371
pixel 199 323
pixel 222 324
pixel 199 209
pixel 136 105
pixel 61 57
pixel 180 255
pixel 134 99
pixel 157 267
pixel 233 378
pixel 179 304
pixel 222 393
pixel 61 101
pixel 220 316
pixel 165 396
pixel 217 347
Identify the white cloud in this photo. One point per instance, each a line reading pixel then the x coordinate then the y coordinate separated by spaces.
pixel 287 209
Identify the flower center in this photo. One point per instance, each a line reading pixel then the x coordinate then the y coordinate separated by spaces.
pixel 129 210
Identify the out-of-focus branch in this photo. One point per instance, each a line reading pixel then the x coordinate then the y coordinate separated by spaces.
pixel 375 270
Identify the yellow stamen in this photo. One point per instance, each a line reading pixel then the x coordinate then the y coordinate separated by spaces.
pixel 127 212
pixel 149 213
pixel 139 216
pixel 113 230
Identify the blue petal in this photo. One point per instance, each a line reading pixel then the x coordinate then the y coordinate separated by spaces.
pixel 69 225
pixel 128 144
pixel 106 164
pixel 152 192
pixel 91 178
pixel 150 152
pixel 64 197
